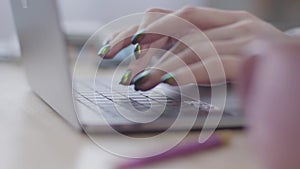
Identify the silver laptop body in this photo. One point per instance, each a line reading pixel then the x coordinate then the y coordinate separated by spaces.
pixel 45 58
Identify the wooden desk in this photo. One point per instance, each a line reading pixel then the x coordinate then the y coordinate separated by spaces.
pixel 33 136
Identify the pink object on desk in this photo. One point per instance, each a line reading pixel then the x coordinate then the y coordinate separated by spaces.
pixel 271 92
pixel 179 151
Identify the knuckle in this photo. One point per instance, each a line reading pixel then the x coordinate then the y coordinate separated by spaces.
pixel 158 10
pixel 153 10
pixel 187 10
pixel 244 14
pixel 245 25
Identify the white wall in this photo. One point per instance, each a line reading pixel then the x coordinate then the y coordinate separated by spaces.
pixel 82 14
pixel 85 16
pixel 107 10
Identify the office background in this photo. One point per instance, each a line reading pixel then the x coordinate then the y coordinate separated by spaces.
pixel 84 16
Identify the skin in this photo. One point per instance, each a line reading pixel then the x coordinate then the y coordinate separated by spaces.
pixel 227 31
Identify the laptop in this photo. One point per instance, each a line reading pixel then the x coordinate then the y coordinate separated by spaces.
pixel 97 105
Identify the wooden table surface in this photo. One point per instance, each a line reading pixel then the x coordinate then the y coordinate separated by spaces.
pixel 33 136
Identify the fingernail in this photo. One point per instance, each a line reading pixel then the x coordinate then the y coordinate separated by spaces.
pixel 104 50
pixel 125 80
pixel 138 36
pixel 139 77
pixel 137 51
pixel 168 78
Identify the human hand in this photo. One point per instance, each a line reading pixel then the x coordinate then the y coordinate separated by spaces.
pixel 227 32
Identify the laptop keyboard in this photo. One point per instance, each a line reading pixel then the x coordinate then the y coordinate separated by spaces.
pixel 107 98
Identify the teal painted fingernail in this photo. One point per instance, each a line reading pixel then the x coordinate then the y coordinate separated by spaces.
pixel 125 80
pixel 138 36
pixel 140 76
pixel 104 50
pixel 168 78
pixel 137 51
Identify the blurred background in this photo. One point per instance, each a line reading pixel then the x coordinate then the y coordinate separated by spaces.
pixel 82 17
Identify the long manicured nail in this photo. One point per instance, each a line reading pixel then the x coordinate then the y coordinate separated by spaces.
pixel 104 50
pixel 137 51
pixel 140 76
pixel 168 78
pixel 138 36
pixel 125 80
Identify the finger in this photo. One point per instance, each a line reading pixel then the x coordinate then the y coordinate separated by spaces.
pixel 151 77
pixel 105 42
pixel 183 44
pixel 161 45
pixel 198 53
pixel 114 35
pixel 121 41
pixel 139 64
pixel 211 72
pixel 177 48
pixel 202 53
pixel 231 31
pixel 194 73
pixel 188 18
pixel 152 15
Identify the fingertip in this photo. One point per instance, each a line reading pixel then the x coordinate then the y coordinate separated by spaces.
pixel 140 81
pixel 126 78
pixel 138 36
pixel 137 51
pixel 169 79
pixel 103 50
pixel 115 49
pixel 141 77
pixel 145 86
pixel 146 80
pixel 143 36
pixel 119 42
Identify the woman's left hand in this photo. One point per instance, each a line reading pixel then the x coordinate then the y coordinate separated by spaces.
pixel 192 54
